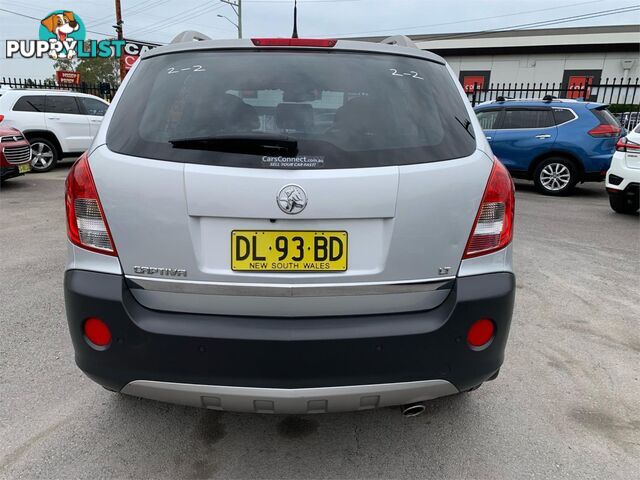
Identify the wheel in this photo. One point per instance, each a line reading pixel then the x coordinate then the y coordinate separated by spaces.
pixel 555 176
pixel 44 154
pixel 622 204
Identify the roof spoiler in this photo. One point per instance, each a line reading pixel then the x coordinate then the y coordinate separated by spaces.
pixel 399 40
pixel 190 36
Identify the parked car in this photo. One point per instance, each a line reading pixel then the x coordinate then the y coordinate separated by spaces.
pixel 56 122
pixel 554 142
pixel 15 153
pixel 623 178
pixel 225 252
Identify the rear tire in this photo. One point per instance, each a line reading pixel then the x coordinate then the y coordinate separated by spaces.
pixel 555 176
pixel 44 155
pixel 622 204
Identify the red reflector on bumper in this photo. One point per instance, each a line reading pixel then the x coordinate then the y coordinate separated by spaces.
pixel 481 333
pixel 97 332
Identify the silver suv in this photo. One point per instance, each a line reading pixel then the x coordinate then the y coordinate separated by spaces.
pixel 290 226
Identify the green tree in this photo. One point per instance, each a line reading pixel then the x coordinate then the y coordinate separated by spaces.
pixel 98 69
pixel 92 70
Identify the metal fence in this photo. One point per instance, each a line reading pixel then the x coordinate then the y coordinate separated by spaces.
pixel 101 89
pixel 622 95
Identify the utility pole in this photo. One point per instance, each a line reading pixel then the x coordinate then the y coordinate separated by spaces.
pixel 118 27
pixel 237 8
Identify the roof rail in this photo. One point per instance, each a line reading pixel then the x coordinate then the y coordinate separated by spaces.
pixel 546 99
pixel 400 40
pixel 190 36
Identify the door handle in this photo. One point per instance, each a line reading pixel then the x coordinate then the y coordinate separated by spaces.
pixel 96 121
pixel 543 136
pixel 53 118
pixel 488 138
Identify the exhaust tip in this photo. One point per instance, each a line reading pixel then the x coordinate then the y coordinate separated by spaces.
pixel 413 410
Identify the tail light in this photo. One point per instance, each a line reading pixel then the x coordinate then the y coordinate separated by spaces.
pixel 626 145
pixel 294 42
pixel 605 130
pixel 493 227
pixel 86 223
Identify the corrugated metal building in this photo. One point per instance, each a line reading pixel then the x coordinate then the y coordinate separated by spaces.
pixel 572 56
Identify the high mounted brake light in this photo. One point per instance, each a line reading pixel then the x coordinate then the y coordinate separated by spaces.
pixel 295 42
pixel 86 223
pixel 493 227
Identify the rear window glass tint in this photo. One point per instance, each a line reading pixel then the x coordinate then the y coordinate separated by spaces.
pixel 527 118
pixel 562 115
pixel 350 109
pixel 30 103
pixel 605 117
pixel 61 104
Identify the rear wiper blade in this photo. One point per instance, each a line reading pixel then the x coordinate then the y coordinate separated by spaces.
pixel 249 143
pixel 466 123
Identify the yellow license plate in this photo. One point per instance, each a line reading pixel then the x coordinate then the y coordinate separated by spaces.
pixel 24 168
pixel 288 251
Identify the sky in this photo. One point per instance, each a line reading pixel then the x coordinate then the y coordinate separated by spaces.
pixel 160 20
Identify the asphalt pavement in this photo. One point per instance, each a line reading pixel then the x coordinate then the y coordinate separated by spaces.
pixel 566 404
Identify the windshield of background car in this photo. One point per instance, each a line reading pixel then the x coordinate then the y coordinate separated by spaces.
pixel 345 110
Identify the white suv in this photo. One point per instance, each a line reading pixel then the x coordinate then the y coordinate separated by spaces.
pixel 623 177
pixel 56 122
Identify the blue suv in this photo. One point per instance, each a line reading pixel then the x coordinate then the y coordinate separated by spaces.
pixel 554 142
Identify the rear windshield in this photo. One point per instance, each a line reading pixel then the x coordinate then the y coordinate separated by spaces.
pixel 345 110
pixel 605 116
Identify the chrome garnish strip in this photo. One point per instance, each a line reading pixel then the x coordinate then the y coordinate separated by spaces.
pixel 285 290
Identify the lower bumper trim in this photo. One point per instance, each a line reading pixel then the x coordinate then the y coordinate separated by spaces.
pixel 291 401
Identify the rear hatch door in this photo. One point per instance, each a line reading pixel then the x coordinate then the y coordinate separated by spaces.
pixel 390 191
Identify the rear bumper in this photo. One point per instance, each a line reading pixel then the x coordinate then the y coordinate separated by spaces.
pixel 630 190
pixel 289 365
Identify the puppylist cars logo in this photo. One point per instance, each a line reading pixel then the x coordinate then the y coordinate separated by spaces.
pixel 62 34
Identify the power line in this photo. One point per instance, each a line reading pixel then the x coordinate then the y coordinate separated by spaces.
pixel 178 18
pixel 461 21
pixel 38 19
pixel 136 10
pixel 542 23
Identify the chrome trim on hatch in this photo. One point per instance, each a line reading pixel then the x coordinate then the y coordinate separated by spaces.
pixel 287 290
pixel 291 401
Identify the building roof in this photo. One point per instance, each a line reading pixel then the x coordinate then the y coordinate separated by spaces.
pixel 544 40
